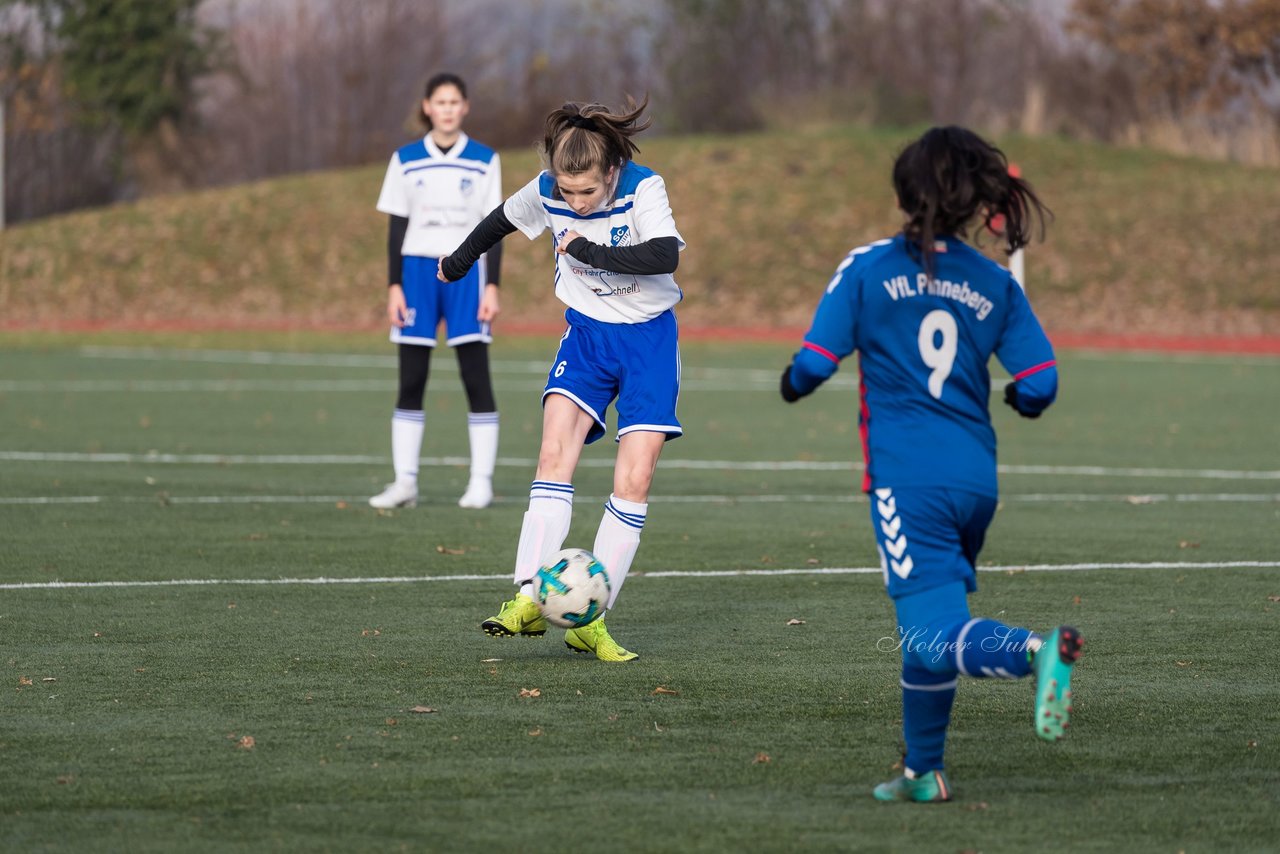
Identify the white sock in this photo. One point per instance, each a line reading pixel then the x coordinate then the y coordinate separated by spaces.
pixel 618 539
pixel 406 443
pixel 546 524
pixel 483 430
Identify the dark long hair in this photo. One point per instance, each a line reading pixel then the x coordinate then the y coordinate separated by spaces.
pixel 951 177
pixel 444 78
pixel 581 137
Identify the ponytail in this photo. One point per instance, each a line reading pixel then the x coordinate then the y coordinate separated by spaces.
pixel 581 137
pixel 951 175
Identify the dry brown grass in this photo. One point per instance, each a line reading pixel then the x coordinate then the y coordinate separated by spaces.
pixel 1142 242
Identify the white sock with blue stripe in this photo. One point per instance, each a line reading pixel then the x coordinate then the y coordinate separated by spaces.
pixel 546 524
pixel 482 428
pixel 407 426
pixel 618 539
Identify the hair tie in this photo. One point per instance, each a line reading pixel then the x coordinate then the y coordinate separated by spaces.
pixel 581 121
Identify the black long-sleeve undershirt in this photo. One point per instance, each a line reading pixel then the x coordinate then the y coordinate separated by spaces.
pixel 396 230
pixel 483 238
pixel 652 257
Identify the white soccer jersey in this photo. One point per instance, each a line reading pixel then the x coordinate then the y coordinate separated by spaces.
pixel 444 195
pixel 639 211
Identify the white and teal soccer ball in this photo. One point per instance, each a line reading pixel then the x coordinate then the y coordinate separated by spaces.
pixel 572 589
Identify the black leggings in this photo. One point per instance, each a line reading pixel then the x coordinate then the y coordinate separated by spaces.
pixel 473 365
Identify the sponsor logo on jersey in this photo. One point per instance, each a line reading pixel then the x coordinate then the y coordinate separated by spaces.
pixel 620 236
pixel 603 289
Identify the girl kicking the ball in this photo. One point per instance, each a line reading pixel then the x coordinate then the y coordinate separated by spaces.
pixel 616 248
pixel 926 311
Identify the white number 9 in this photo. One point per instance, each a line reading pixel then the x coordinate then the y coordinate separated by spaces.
pixel 941 357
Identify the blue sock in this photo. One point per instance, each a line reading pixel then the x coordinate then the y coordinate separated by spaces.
pixel 926 711
pixel 986 648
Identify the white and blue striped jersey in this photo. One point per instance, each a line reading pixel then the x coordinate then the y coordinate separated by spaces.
pixel 638 211
pixel 443 194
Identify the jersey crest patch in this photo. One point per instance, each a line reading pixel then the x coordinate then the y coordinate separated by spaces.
pixel 620 236
pixel 467 187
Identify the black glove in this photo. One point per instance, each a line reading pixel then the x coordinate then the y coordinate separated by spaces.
pixel 1011 398
pixel 789 393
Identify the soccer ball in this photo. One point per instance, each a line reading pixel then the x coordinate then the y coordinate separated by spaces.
pixel 573 589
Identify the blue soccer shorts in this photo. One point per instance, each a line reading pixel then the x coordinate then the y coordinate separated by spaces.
pixel 430 300
pixel 929 536
pixel 638 364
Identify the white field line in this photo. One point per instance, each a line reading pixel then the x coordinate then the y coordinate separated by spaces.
pixel 529 463
pixel 351 386
pixel 674 573
pixel 360 360
pixel 359 500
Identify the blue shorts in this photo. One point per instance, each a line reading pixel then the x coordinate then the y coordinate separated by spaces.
pixel 430 300
pixel 636 363
pixel 929 537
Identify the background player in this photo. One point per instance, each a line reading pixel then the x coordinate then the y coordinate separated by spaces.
pixel 925 312
pixel 435 191
pixel 616 246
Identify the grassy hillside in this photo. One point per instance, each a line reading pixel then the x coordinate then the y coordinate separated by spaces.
pixel 1142 242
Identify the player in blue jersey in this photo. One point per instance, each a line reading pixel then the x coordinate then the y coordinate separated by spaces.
pixel 926 311
pixel 435 191
pixel 616 247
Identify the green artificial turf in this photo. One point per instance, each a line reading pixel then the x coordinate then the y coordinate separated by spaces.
pixel 126 711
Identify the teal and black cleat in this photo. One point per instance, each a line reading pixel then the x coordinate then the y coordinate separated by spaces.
pixel 1052 665
pixel 928 788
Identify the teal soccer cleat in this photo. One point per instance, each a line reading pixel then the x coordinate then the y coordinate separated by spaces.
pixel 1052 665
pixel 929 788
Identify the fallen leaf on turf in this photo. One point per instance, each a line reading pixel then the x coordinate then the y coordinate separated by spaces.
pixel 530 692
pixel 364 633
pixel 794 622
pixel 657 728
pixel 761 759
pixel 246 743
pixel 1188 544
pixel 49 679
pixel 422 710
pixel 663 689
pixel 444 550
pixel 980 805
pixel 613 717
pixel 1075 600
pixel 488 660
pixel 97 634
pixel 1253 742
pixel 24 681
pixel 1182 663
pixel 535 732
pixel 1141 499
pixel 813 561
pixel 392 722
pixel 1273 598
pixel 65 779
pixel 342 505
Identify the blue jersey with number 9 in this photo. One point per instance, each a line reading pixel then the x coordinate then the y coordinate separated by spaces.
pixel 923 346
